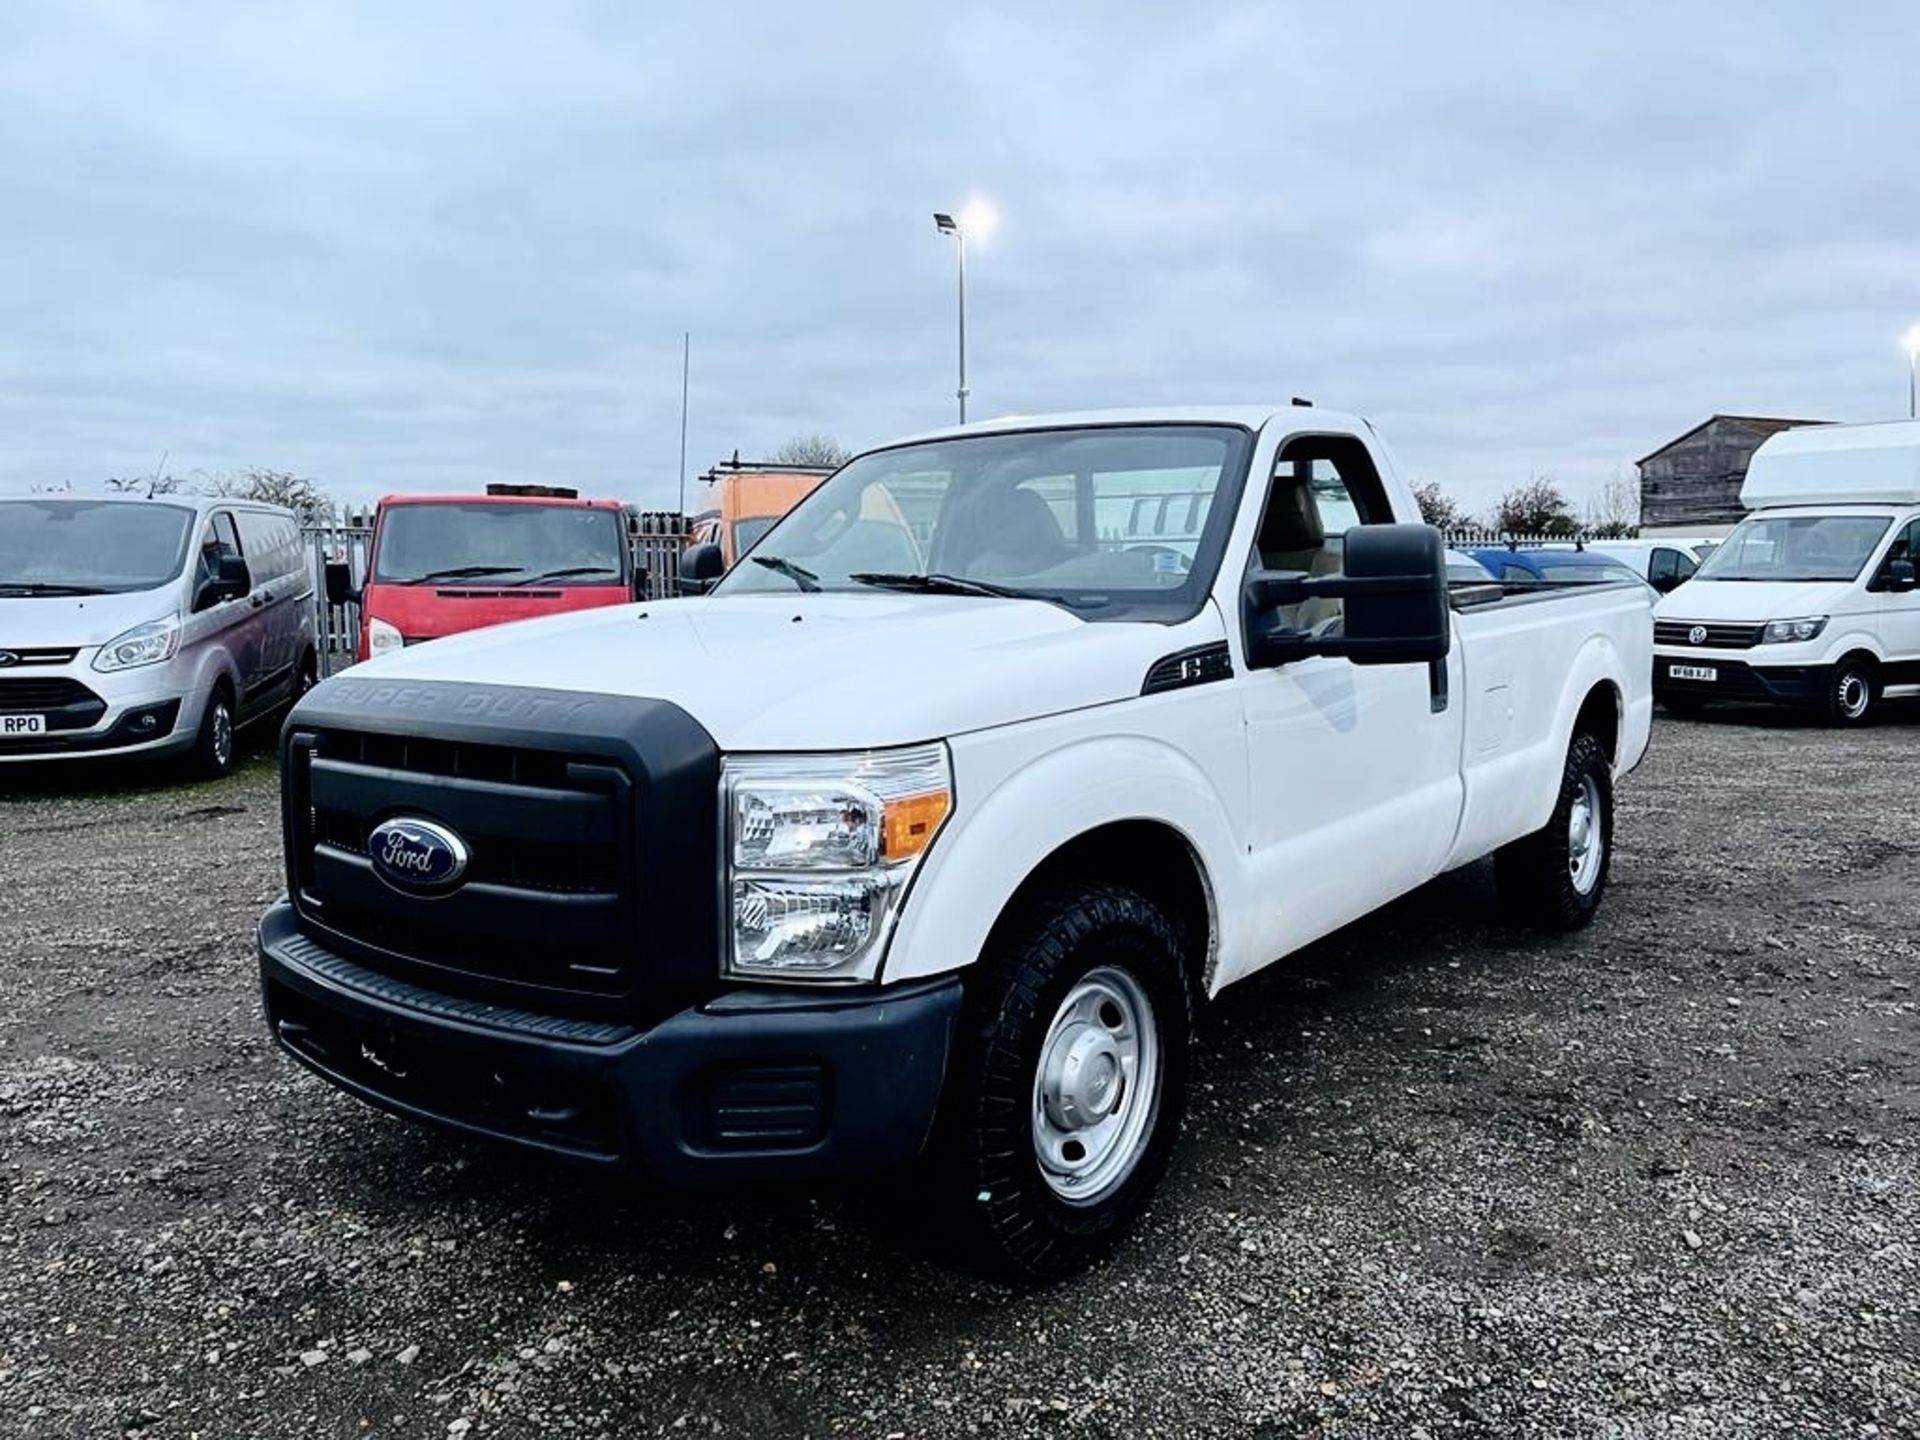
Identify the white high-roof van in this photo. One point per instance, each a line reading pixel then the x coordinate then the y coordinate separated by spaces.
pixel 151 627
pixel 1811 600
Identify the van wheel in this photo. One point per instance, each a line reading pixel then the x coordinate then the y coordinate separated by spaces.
pixel 1852 690
pixel 1554 878
pixel 1068 1080
pixel 306 678
pixel 213 748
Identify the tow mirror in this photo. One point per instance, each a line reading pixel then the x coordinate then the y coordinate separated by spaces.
pixel 1393 589
pixel 700 566
pixel 340 589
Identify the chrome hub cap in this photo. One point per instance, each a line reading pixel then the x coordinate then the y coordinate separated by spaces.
pixel 1584 843
pixel 222 734
pixel 1853 695
pixel 1097 1087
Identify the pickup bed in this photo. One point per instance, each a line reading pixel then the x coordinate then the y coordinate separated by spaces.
pixel 920 839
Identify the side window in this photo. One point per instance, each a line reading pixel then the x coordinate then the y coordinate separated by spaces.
pixel 1684 565
pixel 1515 572
pixel 1664 567
pixel 229 537
pixel 1322 486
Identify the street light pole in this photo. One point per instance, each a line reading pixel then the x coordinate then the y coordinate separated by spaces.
pixel 1911 343
pixel 976 220
pixel 961 237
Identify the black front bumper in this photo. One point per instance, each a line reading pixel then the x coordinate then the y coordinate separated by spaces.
pixel 1737 680
pixel 753 1086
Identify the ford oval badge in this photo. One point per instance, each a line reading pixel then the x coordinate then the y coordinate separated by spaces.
pixel 417 857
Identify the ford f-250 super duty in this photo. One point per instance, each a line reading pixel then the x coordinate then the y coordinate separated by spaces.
pixel 923 835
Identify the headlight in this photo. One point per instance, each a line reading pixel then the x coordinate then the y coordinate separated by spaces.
pixel 1781 632
pixel 820 849
pixel 142 645
pixel 382 637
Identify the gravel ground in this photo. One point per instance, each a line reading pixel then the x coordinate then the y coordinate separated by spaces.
pixel 1441 1177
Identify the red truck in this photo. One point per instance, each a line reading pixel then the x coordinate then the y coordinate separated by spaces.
pixel 440 564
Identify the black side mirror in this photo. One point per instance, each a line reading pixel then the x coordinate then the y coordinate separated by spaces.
pixel 340 589
pixel 1898 575
pixel 1396 612
pixel 700 566
pixel 1667 583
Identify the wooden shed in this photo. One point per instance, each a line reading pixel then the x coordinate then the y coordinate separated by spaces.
pixel 1694 480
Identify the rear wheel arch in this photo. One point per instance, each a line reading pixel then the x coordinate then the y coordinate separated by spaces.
pixel 1601 715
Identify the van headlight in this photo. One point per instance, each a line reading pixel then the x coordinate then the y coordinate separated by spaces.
pixel 1784 632
pixel 382 638
pixel 143 645
pixel 820 849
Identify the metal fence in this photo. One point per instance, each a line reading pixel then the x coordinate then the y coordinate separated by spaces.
pixel 655 537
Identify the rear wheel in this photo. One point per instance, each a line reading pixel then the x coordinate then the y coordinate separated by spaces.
pixel 1555 878
pixel 1068 1080
pixel 1853 687
pixel 213 748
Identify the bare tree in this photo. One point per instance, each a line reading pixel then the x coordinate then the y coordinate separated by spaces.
pixel 146 484
pixel 1535 508
pixel 812 450
pixel 1615 511
pixel 298 493
pixel 1440 509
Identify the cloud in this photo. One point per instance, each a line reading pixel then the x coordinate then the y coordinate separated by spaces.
pixel 427 246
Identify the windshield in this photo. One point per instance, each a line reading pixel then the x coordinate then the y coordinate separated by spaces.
pixel 90 546
pixel 1099 518
pixel 1795 547
pixel 499 544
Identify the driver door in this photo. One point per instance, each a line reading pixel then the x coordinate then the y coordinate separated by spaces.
pixel 1900 612
pixel 1354 769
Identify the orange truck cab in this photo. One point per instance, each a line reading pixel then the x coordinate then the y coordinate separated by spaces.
pixel 440 564
pixel 745 499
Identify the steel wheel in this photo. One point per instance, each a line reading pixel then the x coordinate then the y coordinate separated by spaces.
pixel 1586 842
pixel 1096 1087
pixel 1852 694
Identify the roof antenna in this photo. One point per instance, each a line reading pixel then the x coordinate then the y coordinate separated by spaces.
pixel 154 484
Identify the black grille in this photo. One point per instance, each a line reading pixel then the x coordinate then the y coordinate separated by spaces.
pixel 547 899
pixel 67 704
pixel 1718 637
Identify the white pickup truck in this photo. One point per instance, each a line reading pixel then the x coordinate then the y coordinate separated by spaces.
pixel 922 837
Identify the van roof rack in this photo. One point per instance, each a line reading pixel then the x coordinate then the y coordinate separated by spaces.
pixel 542 492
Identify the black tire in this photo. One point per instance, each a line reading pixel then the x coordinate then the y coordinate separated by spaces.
pixel 305 678
pixel 1544 878
pixel 215 748
pixel 984 1162
pixel 1853 693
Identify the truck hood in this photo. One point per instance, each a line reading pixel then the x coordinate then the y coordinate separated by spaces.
pixel 61 622
pixel 1753 600
pixel 816 672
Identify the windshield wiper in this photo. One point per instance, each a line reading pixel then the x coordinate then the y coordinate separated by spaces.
pixel 569 570
pixel 47 587
pixel 939 584
pixel 463 572
pixel 798 574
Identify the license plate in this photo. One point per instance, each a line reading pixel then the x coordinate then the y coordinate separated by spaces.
pixel 1693 672
pixel 23 725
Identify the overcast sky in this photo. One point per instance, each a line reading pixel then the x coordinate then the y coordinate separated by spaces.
pixel 423 246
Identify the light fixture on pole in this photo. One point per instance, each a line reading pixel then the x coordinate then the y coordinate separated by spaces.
pixel 977 221
pixel 1910 342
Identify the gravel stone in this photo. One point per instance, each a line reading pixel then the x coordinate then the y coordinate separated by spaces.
pixel 1460 1155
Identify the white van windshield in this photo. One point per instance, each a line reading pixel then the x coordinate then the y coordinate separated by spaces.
pixel 89 547
pixel 1796 547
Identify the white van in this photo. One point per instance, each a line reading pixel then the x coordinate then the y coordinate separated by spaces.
pixel 1665 563
pixel 148 626
pixel 1811 599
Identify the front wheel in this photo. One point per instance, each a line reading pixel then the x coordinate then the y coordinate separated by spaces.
pixel 1555 877
pixel 1068 1080
pixel 213 747
pixel 1852 689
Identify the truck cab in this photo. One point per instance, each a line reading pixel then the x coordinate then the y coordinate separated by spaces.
pixel 1811 601
pixel 920 839
pixel 440 565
